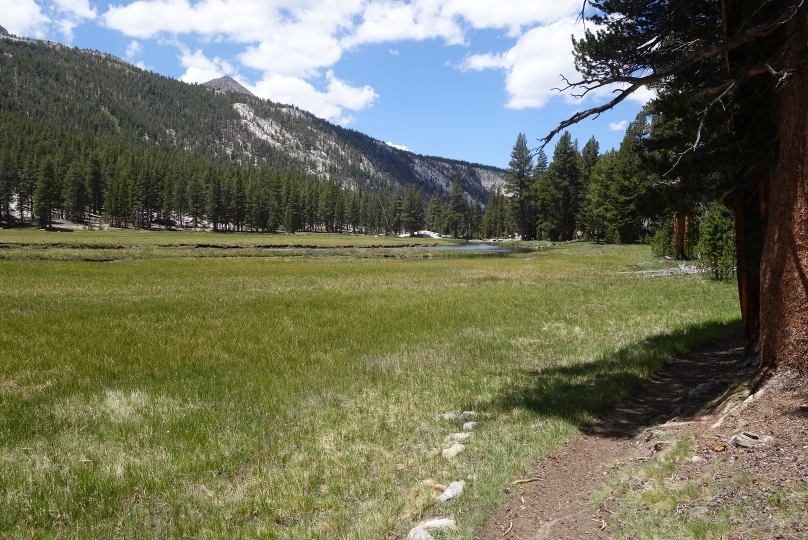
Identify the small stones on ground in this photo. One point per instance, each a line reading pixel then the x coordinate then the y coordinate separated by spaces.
pixel 747 439
pixel 422 530
pixel 465 416
pixel 457 437
pixel 468 426
pixel 454 490
pixel 453 450
pixel 449 416
pixel 696 459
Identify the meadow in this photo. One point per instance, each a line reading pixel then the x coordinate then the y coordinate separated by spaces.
pixel 153 388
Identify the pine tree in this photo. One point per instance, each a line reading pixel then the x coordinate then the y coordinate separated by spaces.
pixel 518 184
pixel 74 192
pixel 456 211
pixel 559 191
pixel 48 193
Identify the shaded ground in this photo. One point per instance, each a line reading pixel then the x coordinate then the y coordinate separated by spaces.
pixel 752 492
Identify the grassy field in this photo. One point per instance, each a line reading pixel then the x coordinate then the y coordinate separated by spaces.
pixel 300 396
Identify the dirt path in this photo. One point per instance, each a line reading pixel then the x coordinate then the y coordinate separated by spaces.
pixel 557 502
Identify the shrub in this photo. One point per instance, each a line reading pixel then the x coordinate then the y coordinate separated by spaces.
pixel 716 245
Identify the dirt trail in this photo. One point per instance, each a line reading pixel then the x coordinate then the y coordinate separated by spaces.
pixel 557 503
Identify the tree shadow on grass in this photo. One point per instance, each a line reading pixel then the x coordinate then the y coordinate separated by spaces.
pixel 582 393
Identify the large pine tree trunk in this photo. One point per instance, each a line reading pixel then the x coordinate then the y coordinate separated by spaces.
pixel 784 267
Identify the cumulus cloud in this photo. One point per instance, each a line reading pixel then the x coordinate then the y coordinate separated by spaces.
pixel 292 42
pixel 534 65
pixel 42 19
pixel 133 50
pixel 25 18
pixel 398 146
pixel 79 9
pixel 330 104
pixel 618 126
pixel 200 69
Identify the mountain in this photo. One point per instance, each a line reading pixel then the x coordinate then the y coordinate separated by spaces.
pixel 90 92
pixel 227 84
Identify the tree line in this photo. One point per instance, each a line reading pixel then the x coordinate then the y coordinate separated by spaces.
pixel 618 196
pixel 46 174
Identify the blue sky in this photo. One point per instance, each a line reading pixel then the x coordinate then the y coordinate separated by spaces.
pixel 452 78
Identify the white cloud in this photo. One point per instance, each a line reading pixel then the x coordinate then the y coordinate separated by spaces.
pixel 133 50
pixel 24 18
pixel 535 64
pixel 399 146
pixel 28 17
pixel 618 126
pixel 201 69
pixel 291 42
pixel 643 95
pixel 329 104
pixel 77 9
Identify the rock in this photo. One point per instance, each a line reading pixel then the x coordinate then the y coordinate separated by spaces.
pixel 442 524
pixel 747 439
pixel 700 390
pixel 454 490
pixel 659 445
pixel 227 84
pixel 449 416
pixel 696 459
pixel 457 437
pixel 453 450
pixel 465 416
pixel 468 426
pixel 421 531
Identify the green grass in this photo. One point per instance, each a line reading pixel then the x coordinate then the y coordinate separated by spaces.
pixel 127 245
pixel 300 397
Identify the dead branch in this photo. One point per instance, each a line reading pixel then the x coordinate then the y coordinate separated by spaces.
pixel 701 127
pixel 725 46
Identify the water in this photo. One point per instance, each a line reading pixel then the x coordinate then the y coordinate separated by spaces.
pixel 483 247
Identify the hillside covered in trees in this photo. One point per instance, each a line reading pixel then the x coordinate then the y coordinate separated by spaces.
pixel 93 93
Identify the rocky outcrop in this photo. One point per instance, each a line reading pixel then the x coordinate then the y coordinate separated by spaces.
pixel 227 84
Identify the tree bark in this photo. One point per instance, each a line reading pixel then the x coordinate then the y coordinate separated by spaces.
pixel 784 265
pixel 679 232
pixel 750 214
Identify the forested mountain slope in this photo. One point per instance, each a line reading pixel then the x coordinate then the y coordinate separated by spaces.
pixel 95 93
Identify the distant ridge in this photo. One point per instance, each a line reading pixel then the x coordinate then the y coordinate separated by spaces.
pixel 3 32
pixel 220 122
pixel 227 84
